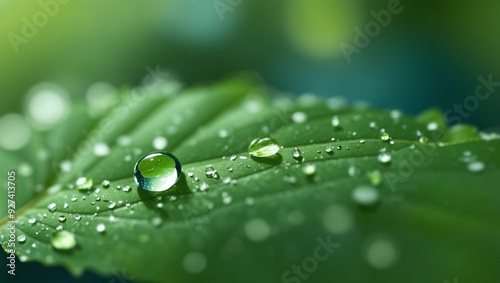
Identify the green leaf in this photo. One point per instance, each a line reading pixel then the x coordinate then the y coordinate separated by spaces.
pixel 263 219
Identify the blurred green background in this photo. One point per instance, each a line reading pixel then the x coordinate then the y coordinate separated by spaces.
pixel 430 54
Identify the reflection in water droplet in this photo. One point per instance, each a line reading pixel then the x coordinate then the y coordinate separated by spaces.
pixel 263 147
pixel 63 240
pixel 157 171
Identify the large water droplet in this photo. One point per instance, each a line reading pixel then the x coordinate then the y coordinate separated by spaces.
pixel 157 171
pixel 63 240
pixel 263 147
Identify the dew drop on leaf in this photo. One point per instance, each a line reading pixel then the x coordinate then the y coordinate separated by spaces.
pixel 101 149
pixel 84 183
pixel 52 207
pixel 21 238
pixel 32 221
pixel 299 117
pixel 210 172
pixel 475 166
pixel 335 122
pixel 101 228
pixel 309 169
pixel 157 171
pixel 160 143
pixel 263 147
pixel 63 240
pixel 385 136
pixel 296 153
pixel 384 157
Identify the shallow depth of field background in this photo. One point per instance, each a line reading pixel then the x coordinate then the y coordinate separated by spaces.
pixel 430 54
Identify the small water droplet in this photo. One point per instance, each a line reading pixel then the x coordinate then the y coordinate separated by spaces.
pixel 157 171
pixel 362 141
pixel 78 217
pixel 423 140
pixel 263 147
pixel 335 121
pixel 329 149
pixel 385 136
pixel 432 126
pixel 309 169
pixel 101 149
pixel 223 133
pixel 63 240
pixel 296 153
pixel 160 143
pixel 233 157
pixel 299 117
pixel 32 221
pixel 210 172
pixel 101 228
pixel 230 169
pixel 194 262
pixel 112 205
pixel 127 188
pixel 84 183
pixel 290 179
pixel 375 177
pixel 475 166
pixel 21 238
pixel 52 207
pixel 105 183
pixel 384 157
pixel 365 195
pixel 62 218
